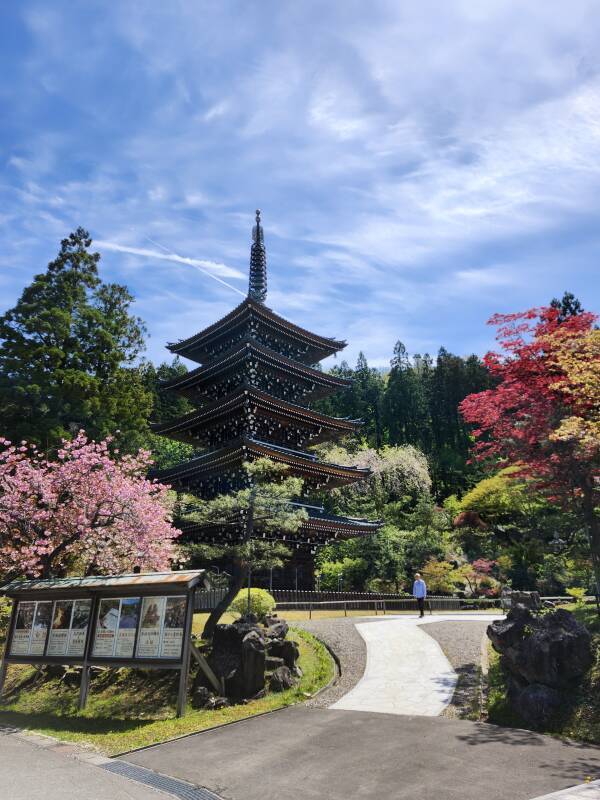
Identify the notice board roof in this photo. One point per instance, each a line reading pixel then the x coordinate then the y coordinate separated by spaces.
pixel 142 582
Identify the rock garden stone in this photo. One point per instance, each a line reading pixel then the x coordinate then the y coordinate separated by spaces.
pixel 286 649
pixel 510 598
pixel 279 630
pixel 215 703
pixel 272 663
pixel 536 703
pixel 200 697
pixel 553 649
pixel 543 655
pixel 282 679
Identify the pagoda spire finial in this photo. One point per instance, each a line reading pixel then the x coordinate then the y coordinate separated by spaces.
pixel 257 288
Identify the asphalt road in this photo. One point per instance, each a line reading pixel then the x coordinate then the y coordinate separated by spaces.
pixel 304 753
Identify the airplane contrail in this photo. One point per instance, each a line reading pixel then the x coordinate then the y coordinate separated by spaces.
pixel 202 265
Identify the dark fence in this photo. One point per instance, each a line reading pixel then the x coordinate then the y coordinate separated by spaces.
pixel 377 601
pixel 290 599
pixel 207 599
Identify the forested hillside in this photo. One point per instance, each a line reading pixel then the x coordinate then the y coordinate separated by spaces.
pixel 416 403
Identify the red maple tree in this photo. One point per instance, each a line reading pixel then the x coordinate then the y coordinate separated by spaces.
pixel 521 421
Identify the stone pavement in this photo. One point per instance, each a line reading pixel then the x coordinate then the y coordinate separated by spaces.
pixel 407 672
pixel 588 791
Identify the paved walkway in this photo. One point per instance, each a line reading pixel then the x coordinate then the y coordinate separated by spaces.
pixel 587 791
pixel 407 672
pixel 36 767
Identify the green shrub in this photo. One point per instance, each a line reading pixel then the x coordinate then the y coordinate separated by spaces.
pixel 577 594
pixel 261 603
pixel 5 608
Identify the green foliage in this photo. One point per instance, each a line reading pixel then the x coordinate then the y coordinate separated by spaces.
pixel 5 610
pixel 502 496
pixel 167 452
pixel 440 576
pixel 577 594
pixel 399 478
pixel 268 500
pixel 347 574
pixel 261 603
pixel 67 355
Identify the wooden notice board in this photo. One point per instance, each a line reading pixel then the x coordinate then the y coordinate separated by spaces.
pixel 139 620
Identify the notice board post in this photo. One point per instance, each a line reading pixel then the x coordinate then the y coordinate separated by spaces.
pixel 140 620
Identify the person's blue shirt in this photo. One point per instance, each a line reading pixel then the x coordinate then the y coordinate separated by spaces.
pixel 419 588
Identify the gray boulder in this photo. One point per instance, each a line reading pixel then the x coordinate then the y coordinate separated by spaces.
pixel 536 703
pixel 277 630
pixel 553 649
pixel 226 654
pixel 253 664
pixel 200 697
pixel 248 678
pixel 272 663
pixel 215 703
pixel 282 679
pixel 286 649
pixel 510 598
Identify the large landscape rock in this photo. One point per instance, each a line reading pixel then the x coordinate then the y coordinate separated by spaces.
pixel 277 629
pixel 253 664
pixel 226 654
pixel 282 679
pixel 239 655
pixel 242 652
pixel 536 703
pixel 286 649
pixel 552 649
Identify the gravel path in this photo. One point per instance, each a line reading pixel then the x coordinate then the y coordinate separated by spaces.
pixel 461 643
pixel 346 642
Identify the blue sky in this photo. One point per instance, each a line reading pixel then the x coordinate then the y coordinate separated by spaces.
pixel 420 165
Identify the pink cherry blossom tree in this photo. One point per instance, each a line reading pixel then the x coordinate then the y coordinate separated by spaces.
pixel 84 512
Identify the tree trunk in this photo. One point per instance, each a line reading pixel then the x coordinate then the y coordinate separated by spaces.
pixel 593 527
pixel 235 584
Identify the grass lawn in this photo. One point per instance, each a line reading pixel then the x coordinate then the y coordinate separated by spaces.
pixel 133 708
pixel 580 717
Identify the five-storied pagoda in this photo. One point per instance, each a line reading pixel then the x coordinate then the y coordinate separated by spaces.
pixel 252 390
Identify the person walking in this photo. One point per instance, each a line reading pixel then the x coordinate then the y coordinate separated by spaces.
pixel 420 593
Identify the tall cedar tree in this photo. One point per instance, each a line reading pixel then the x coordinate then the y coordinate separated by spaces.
pixel 67 351
pixel 166 406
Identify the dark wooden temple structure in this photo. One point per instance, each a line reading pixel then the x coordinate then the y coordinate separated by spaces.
pixel 253 388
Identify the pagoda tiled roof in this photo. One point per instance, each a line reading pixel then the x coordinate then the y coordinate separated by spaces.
pixel 248 348
pixel 246 449
pixel 319 528
pixel 324 346
pixel 203 417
